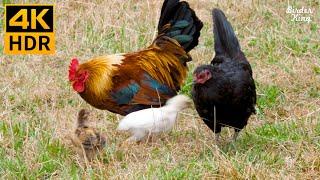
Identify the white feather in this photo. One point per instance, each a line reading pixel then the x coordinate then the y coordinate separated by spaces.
pixel 154 120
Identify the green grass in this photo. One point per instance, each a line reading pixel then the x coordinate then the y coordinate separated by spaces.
pixel 271 97
pixel 187 87
pixel 38 107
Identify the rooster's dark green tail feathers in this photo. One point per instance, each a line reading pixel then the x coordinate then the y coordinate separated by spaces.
pixel 179 21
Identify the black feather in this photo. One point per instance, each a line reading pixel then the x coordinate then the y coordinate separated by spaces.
pixel 181 24
pixel 174 33
pixel 179 16
pixel 167 12
pixel 225 40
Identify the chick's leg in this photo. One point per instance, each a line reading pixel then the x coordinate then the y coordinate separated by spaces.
pixel 138 135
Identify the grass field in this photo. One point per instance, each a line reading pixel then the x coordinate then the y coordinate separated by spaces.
pixel 282 141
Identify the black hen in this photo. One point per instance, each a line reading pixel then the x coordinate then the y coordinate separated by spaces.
pixel 224 92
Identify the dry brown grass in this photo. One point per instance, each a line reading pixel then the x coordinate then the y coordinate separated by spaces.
pixel 39 108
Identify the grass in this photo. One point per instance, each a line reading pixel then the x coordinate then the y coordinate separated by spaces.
pixel 38 107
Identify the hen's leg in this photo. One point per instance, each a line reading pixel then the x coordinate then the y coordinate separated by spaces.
pixel 217 137
pixel 236 134
pixel 215 127
pixel 217 133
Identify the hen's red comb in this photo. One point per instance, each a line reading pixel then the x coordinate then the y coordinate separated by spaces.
pixel 73 69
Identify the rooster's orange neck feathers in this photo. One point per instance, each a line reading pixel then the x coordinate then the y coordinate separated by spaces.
pixel 99 81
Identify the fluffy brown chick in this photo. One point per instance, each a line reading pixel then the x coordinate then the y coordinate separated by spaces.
pixel 87 138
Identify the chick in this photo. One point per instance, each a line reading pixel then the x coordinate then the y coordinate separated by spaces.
pixel 154 120
pixel 88 139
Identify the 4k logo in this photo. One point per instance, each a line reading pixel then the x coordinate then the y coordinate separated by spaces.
pixel 29 29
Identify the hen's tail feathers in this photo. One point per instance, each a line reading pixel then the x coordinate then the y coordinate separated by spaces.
pixel 225 40
pixel 179 21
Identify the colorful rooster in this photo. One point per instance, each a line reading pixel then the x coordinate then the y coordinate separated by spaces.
pixel 124 83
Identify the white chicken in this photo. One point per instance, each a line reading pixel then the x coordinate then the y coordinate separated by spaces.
pixel 154 120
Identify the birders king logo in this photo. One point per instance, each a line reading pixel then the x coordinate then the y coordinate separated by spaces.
pixel 29 29
pixel 302 14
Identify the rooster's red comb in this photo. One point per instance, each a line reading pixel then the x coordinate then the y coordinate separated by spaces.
pixel 73 69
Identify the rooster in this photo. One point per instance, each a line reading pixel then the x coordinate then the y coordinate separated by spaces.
pixel 124 83
pixel 224 92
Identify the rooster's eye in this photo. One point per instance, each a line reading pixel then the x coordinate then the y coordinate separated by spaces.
pixel 81 77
